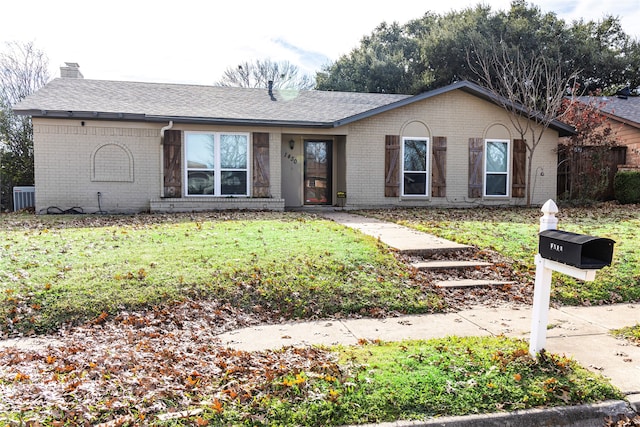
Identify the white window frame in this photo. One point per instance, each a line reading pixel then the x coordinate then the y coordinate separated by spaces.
pixel 506 173
pixel 426 172
pixel 217 170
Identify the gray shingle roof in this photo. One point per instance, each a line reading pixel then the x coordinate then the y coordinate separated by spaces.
pixel 103 99
pixel 626 110
pixel 75 97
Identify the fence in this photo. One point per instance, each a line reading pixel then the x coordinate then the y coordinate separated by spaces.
pixel 588 172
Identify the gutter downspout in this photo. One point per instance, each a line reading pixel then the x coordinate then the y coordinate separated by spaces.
pixel 162 131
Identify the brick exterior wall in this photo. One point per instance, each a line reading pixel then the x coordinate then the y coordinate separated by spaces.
pixel 457 116
pixel 70 170
pixel 72 158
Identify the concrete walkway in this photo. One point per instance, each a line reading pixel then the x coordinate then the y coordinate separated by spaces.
pixel 402 239
pixel 579 332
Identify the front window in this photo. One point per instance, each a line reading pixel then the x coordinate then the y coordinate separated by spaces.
pixel 217 164
pixel 415 165
pixel 496 168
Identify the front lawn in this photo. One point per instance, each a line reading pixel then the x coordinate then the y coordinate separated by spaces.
pixel 514 233
pixel 138 303
pixel 56 270
pixel 141 370
pixel 630 333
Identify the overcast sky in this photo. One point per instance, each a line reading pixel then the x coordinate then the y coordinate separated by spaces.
pixel 191 41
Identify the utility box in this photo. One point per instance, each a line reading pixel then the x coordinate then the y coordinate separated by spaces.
pixel 577 250
pixel 24 197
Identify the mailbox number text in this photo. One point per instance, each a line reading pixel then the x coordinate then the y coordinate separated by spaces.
pixel 556 247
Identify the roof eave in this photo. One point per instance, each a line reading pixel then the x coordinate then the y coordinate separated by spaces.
pixel 620 119
pixel 563 129
pixel 87 115
pixel 97 115
pixel 238 121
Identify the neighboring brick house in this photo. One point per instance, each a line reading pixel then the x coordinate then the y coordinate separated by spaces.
pixel 623 112
pixel 130 147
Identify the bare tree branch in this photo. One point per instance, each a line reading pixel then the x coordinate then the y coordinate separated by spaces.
pixel 23 70
pixel 284 75
pixel 529 88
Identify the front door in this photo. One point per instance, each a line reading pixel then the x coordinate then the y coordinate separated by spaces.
pixel 317 172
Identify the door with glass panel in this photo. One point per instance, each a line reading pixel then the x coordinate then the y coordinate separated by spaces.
pixel 317 172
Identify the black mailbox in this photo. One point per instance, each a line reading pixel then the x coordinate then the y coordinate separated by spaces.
pixel 577 250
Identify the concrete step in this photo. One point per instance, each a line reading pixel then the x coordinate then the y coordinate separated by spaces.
pixel 446 265
pixel 426 249
pixel 469 283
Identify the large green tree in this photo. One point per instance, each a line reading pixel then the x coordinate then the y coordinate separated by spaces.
pixel 432 51
pixel 23 70
pixel 388 61
pixel 606 56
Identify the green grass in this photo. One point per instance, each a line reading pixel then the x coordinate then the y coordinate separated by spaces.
pixel 514 233
pixel 414 380
pixel 294 266
pixel 372 383
pixel 459 376
pixel 55 270
pixel 631 333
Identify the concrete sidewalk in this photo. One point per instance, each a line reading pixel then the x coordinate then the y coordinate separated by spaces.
pixel 579 332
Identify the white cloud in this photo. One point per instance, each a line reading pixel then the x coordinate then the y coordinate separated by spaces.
pixel 195 41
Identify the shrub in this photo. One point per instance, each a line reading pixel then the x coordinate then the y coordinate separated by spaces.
pixel 626 186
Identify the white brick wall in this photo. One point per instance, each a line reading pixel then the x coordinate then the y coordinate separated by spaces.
pixel 71 159
pixel 64 177
pixel 457 116
pixel 65 150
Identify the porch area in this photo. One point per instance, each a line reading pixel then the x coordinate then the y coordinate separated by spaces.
pixel 313 170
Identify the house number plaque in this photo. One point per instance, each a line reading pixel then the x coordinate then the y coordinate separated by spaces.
pixel 291 158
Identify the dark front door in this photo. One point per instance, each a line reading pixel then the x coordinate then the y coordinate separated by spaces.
pixel 317 172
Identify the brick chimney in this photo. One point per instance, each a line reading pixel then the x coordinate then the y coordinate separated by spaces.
pixel 71 71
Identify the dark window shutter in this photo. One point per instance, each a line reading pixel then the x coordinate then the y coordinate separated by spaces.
pixel 476 168
pixel 261 165
pixel 439 167
pixel 392 166
pixel 518 179
pixel 172 154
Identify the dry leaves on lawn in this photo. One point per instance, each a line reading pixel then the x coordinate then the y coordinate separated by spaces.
pixel 148 364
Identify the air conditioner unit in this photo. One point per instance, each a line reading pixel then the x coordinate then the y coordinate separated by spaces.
pixel 24 197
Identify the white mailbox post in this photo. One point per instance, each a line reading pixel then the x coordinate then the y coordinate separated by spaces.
pixel 573 254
